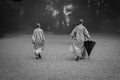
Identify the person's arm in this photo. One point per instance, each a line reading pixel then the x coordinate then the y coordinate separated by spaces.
pixel 43 36
pixel 33 37
pixel 86 33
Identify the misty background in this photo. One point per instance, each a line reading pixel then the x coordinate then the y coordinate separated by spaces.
pixel 22 15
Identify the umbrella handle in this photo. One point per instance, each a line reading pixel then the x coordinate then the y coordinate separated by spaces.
pixel 88 39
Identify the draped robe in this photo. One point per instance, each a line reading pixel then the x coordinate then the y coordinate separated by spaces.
pixel 79 35
pixel 38 38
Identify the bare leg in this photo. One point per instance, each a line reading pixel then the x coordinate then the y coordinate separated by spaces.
pixel 77 58
pixel 39 55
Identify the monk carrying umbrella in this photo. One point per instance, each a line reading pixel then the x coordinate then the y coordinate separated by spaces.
pixel 79 36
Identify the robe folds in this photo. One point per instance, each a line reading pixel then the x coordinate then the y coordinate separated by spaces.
pixel 38 39
pixel 79 35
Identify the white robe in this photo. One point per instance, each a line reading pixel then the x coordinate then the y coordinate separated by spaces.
pixel 38 38
pixel 79 35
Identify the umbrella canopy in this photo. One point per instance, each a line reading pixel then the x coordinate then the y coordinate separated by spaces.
pixel 89 45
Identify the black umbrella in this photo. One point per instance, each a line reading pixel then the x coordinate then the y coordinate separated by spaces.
pixel 89 45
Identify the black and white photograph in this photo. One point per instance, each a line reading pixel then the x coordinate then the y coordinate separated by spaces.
pixel 59 39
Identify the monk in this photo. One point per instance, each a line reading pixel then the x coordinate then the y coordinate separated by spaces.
pixel 38 40
pixel 79 35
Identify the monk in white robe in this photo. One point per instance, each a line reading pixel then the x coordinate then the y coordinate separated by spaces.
pixel 38 39
pixel 79 35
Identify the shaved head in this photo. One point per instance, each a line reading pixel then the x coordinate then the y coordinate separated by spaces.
pixel 38 25
pixel 81 21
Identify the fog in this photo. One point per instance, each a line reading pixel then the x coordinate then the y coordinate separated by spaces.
pixel 23 16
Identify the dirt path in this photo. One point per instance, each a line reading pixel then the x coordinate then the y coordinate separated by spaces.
pixel 17 59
